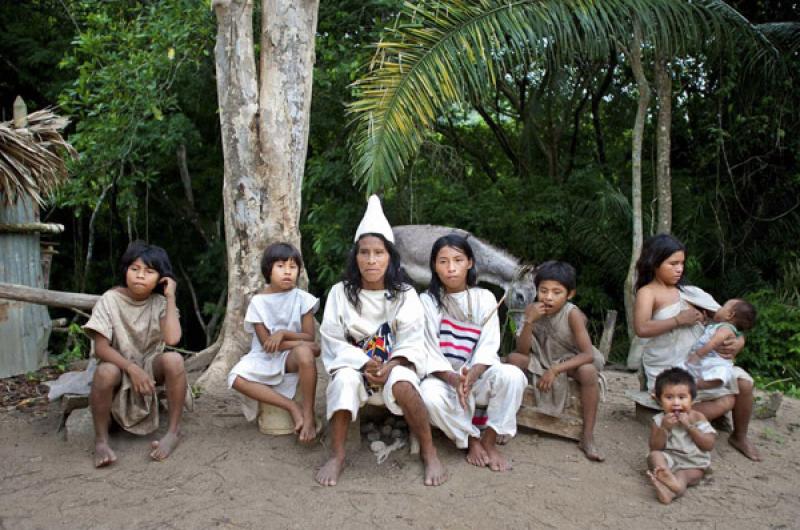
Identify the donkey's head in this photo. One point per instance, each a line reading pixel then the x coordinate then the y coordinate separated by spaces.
pixel 521 292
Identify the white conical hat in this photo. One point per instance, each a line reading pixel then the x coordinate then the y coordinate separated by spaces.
pixel 374 222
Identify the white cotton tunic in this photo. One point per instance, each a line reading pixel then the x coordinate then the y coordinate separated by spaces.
pixel 343 325
pixel 499 388
pixel 282 311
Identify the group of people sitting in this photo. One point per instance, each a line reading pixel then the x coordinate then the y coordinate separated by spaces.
pixel 431 358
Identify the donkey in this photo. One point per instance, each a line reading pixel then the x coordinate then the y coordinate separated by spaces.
pixel 495 266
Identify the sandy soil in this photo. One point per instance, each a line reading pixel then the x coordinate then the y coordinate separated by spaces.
pixel 228 475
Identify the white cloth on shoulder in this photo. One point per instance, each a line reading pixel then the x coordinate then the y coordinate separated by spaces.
pixel 282 311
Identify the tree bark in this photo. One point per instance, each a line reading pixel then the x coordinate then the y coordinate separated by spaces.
pixel 663 145
pixel 635 55
pixel 264 140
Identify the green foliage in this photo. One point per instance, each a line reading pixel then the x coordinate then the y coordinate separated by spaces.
pixel 773 346
pixel 75 349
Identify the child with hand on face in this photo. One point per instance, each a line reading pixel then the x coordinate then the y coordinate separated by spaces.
pixel 554 344
pixel 129 327
pixel 283 351
pixel 680 438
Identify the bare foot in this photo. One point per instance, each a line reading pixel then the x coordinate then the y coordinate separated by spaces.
pixel 664 494
pixel 435 472
pixel 308 430
pixel 591 451
pixel 745 447
pixel 103 455
pixel 297 417
pixel 497 461
pixel 477 455
pixel 666 477
pixel 329 473
pixel 164 447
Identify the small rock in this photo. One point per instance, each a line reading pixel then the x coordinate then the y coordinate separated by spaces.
pixel 386 430
pixel 373 436
pixel 367 427
pixel 79 427
pixel 377 446
pixel 390 421
pixel 398 434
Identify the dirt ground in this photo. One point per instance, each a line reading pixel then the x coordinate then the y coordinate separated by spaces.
pixel 225 474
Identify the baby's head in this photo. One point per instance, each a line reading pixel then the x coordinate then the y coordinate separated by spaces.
pixel 555 284
pixel 675 390
pixel 738 312
pixel 280 265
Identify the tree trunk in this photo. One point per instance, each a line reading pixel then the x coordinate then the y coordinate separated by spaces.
pixel 264 140
pixel 635 55
pixel 663 143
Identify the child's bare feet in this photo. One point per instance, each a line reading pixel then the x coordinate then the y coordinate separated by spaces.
pixel 666 477
pixel 308 430
pixel 664 494
pixel 435 472
pixel 591 451
pixel 297 416
pixel 329 473
pixel 746 447
pixel 497 461
pixel 476 454
pixel 103 455
pixel 164 447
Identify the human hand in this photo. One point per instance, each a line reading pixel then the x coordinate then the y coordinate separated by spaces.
pixel 169 286
pixel 534 312
pixel 689 316
pixel 669 421
pixel 141 382
pixel 545 383
pixel 731 347
pixel 693 359
pixel 463 386
pixel 273 342
pixel 683 419
pixel 378 373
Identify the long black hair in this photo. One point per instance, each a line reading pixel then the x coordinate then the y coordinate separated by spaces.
pixel 394 281
pixel 655 251
pixel 153 256
pixel 461 244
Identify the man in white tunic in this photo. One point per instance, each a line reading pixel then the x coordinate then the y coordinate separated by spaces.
pixel 462 338
pixel 373 345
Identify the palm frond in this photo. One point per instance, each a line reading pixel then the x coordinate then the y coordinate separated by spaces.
pixel 443 53
pixel 32 159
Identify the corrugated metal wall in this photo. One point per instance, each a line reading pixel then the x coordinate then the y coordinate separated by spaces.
pixel 24 328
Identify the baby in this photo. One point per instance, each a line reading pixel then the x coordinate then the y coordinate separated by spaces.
pixel 706 365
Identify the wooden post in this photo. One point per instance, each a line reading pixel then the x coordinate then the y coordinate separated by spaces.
pixel 20 113
pixel 46 297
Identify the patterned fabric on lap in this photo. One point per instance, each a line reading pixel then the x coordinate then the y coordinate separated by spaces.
pixel 457 341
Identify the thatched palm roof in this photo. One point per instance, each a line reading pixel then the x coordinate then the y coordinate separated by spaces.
pixel 32 159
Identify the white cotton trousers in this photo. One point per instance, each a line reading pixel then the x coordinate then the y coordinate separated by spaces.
pixel 499 389
pixel 347 391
